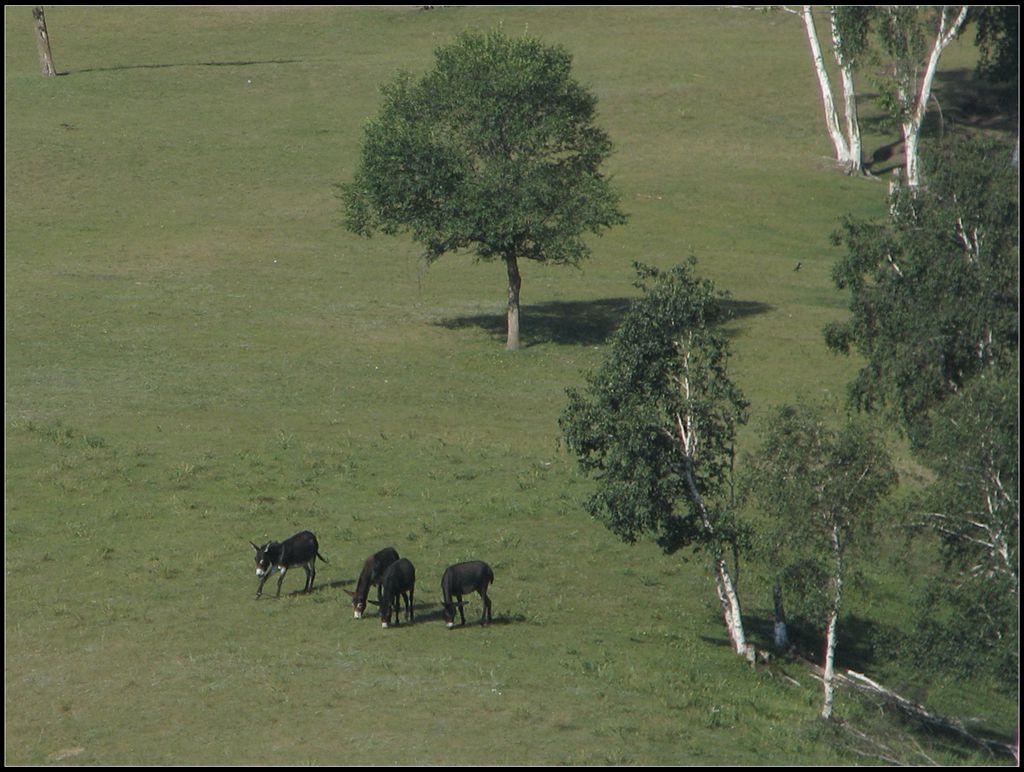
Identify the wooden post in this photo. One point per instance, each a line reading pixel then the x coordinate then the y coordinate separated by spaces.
pixel 43 43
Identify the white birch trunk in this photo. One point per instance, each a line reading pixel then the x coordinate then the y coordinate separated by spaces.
pixel 724 585
pixel 912 124
pixel 832 628
pixel 911 137
pixel 856 152
pixel 781 632
pixel 856 163
pixel 731 609
pixel 839 142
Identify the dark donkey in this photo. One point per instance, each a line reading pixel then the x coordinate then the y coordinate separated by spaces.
pixel 372 574
pixel 399 581
pixel 300 550
pixel 462 579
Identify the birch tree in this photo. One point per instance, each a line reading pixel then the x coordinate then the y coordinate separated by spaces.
pixel 912 39
pixel 820 486
pixel 848 25
pixel 934 289
pixel 973 506
pixel 656 425
pixel 935 311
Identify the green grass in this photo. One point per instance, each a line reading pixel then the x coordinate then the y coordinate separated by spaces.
pixel 198 355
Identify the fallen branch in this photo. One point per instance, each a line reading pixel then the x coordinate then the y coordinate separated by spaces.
pixel 879 751
pixel 864 684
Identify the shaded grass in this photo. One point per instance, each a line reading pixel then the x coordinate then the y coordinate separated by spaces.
pixel 198 355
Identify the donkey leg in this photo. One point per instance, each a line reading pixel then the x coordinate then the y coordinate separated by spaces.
pixel 310 575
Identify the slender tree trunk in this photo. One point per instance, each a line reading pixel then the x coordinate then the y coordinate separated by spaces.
pixel 915 118
pixel 731 612
pixel 839 142
pixel 855 162
pixel 781 632
pixel 831 628
pixel 43 43
pixel 724 585
pixel 515 282
pixel 911 136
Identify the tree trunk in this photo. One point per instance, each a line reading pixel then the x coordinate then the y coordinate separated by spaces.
pixel 515 282
pixel 731 609
pixel 912 123
pixel 911 135
pixel 855 163
pixel 727 594
pixel 832 628
pixel 855 159
pixel 781 632
pixel 43 43
pixel 831 116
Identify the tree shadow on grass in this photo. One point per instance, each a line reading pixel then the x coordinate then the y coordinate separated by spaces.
pixel 247 63
pixel 572 323
pixel 964 99
pixel 862 642
pixel 960 100
pixel 575 322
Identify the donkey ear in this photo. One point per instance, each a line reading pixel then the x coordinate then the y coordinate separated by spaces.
pixel 255 547
pixel 374 602
pixel 348 592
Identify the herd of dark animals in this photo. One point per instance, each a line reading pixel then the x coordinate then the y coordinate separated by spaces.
pixel 393 576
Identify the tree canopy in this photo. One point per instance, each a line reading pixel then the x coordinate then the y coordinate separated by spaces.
pixel 667 363
pixel 934 291
pixel 494 150
pixel 973 506
pixel 656 426
pixel 935 295
pixel 820 488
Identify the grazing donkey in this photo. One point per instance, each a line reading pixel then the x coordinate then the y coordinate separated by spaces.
pixel 300 550
pixel 372 574
pixel 462 579
pixel 399 581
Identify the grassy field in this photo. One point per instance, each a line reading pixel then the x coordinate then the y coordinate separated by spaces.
pixel 198 355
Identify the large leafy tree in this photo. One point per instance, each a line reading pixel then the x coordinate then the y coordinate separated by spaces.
pixel 820 486
pixel 656 424
pixel 495 150
pixel 934 290
pixel 935 296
